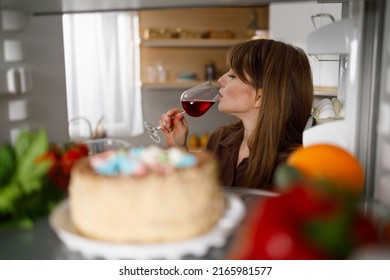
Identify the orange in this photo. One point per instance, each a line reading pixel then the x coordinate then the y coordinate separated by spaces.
pixel 331 163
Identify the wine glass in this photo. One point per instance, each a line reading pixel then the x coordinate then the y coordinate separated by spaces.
pixel 195 101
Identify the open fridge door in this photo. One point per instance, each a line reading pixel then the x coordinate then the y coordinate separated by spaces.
pixel 363 77
pixel 341 41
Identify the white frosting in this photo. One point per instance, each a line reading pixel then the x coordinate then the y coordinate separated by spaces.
pixel 138 160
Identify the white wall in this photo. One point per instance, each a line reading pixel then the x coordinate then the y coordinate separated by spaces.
pixel 291 22
pixel 44 57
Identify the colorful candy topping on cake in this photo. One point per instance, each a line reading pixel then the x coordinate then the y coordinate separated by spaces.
pixel 137 161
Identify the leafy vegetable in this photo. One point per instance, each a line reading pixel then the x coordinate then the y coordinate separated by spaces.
pixel 7 163
pixel 25 190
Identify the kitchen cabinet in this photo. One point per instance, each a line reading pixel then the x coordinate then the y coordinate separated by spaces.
pixel 191 53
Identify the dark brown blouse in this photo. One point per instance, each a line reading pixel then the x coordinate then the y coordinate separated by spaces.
pixel 225 144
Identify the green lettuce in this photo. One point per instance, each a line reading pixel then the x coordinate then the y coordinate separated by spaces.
pixel 25 190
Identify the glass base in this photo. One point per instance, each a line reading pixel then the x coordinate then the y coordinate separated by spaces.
pixel 152 131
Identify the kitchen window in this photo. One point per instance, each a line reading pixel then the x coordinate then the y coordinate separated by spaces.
pixel 102 59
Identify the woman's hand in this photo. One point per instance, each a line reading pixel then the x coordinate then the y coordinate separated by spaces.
pixel 175 128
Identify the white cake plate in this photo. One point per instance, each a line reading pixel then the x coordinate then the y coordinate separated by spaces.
pixel 61 223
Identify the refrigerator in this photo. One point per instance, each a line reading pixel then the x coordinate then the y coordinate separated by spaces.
pixel 359 41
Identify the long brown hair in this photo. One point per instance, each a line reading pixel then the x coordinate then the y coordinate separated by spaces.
pixel 283 73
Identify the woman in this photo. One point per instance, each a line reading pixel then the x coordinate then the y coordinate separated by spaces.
pixel 269 88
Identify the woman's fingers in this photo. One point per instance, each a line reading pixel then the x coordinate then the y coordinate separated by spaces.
pixel 163 126
pixel 167 120
pixel 175 128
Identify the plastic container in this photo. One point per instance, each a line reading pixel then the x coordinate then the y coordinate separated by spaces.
pixel 210 72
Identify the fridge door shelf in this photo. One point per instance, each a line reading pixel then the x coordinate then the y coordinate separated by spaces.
pixel 331 39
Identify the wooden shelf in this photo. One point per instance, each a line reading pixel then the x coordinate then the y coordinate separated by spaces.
pixel 182 53
pixel 198 43
pixel 175 85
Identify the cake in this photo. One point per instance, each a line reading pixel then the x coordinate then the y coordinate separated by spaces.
pixel 145 195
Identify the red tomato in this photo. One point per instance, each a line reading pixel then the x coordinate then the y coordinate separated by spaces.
pixel 364 231
pixel 73 154
pixel 60 179
pixel 304 202
pixel 273 231
pixel 63 161
pixel 283 243
pixel 83 148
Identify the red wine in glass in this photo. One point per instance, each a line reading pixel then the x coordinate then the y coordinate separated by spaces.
pixel 195 101
pixel 196 108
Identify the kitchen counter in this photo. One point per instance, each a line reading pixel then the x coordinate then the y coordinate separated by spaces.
pixel 42 243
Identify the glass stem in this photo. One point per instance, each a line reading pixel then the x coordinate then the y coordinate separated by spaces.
pixel 161 125
pixel 152 131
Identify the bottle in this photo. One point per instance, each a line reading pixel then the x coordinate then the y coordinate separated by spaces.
pixel 161 72
pixel 210 71
pixel 151 74
pixel 193 142
pixel 252 27
pixel 204 138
